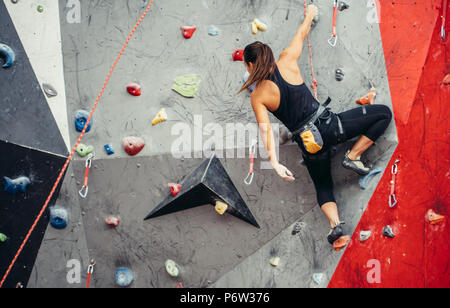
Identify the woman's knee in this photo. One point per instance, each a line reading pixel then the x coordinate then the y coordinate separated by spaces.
pixel 385 110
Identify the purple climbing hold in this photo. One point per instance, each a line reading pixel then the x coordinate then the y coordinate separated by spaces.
pixel 16 185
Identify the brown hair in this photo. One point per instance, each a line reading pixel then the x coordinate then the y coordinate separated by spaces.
pixel 261 56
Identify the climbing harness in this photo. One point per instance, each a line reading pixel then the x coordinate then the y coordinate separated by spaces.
pixel 85 189
pixel 90 271
pixel 69 158
pixel 249 179
pixel 444 18
pixel 333 39
pixel 314 81
pixel 392 198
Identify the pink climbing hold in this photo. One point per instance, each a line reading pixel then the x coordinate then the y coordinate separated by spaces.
pixel 238 55
pixel 112 221
pixel 188 31
pixel 133 145
pixel 134 89
pixel 180 286
pixel 446 80
pixel 174 188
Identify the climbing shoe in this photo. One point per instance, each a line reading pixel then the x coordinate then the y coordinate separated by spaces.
pixel 355 165
pixel 335 234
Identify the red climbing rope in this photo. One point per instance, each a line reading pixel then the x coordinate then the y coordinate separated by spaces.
pixel 75 147
pixel 314 81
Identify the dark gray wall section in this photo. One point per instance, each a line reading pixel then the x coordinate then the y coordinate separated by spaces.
pixel 18 212
pixel 25 117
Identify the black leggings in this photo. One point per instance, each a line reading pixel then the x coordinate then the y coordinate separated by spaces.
pixel 370 121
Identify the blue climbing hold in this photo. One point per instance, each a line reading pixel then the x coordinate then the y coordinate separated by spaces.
pixel 109 149
pixel 246 77
pixel 364 180
pixel 81 118
pixel 8 55
pixel 14 186
pixel 58 217
pixel 124 277
pixel 213 31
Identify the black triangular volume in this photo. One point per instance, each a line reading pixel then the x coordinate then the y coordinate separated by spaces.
pixel 20 205
pixel 208 183
pixel 26 118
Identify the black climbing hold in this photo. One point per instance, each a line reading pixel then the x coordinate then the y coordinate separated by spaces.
pixel 339 74
pixel 387 231
pixel 343 6
pixel 207 184
pixel 49 90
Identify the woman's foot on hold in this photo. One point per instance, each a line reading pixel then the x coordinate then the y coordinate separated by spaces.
pixel 336 233
pixel 355 165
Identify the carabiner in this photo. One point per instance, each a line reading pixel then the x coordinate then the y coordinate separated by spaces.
pixel 249 179
pixel 91 267
pixel 392 201
pixel 331 42
pixel 85 193
pixel 85 189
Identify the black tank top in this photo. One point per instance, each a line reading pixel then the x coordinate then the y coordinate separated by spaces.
pixel 296 102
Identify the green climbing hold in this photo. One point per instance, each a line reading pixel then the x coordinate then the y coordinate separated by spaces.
pixel 187 85
pixel 40 8
pixel 84 150
pixel 3 238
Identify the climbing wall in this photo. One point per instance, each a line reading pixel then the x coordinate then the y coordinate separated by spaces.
pixel 211 250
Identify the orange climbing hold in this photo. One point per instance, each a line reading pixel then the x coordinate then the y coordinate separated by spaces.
pixel 188 31
pixel 341 243
pixel 368 99
pixel 446 80
pixel 434 218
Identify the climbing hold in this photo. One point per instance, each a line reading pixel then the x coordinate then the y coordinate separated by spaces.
pixel 134 89
pixel 339 74
pixel 188 31
pixel 84 150
pixel 40 8
pixel 179 286
pixel 187 85
pixel 124 277
pixel 446 80
pixel 7 55
pixel 160 117
pixel 58 217
pixel 221 207
pixel 3 238
pixel 274 261
pixel 298 227
pixel 16 185
pixel 258 25
pixel 387 231
pixel 213 31
pixel 172 268
pixel 133 145
pixel 364 235
pixel 318 278
pixel 112 221
pixel 81 117
pixel 49 90
pixel 246 77
pixel 341 243
pixel 109 149
pixel 364 180
pixel 238 55
pixel 174 188
pixel 343 6
pixel 368 99
pixel 434 218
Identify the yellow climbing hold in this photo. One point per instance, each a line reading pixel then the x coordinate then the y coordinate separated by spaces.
pixel 160 117
pixel 221 207
pixel 275 261
pixel 258 25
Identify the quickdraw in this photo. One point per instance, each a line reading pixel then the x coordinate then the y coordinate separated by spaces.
pixel 90 271
pixel 333 39
pixel 394 171
pixel 85 189
pixel 249 179
pixel 314 80
pixel 444 17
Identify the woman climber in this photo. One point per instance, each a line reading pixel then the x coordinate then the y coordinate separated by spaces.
pixel 280 89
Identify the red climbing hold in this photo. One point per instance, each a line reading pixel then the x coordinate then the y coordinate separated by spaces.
pixel 238 55
pixel 112 221
pixel 341 243
pixel 133 145
pixel 434 218
pixel 188 32
pixel 180 286
pixel 134 89
pixel 174 188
